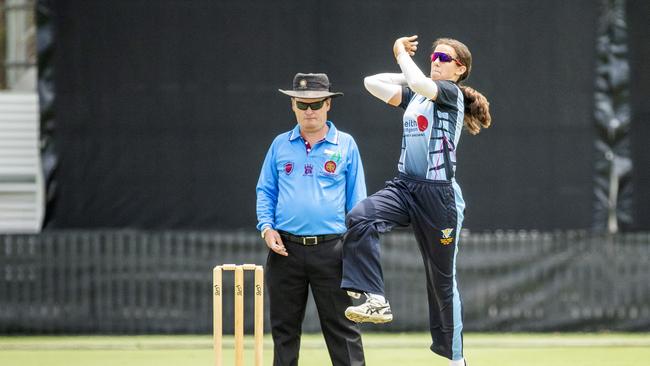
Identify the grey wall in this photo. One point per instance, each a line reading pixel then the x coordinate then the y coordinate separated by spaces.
pixel 160 282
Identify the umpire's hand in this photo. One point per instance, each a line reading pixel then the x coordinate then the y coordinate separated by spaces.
pixel 274 242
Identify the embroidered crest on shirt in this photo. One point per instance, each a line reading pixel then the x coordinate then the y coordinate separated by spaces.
pixel 288 168
pixel 330 166
pixel 446 236
pixel 308 169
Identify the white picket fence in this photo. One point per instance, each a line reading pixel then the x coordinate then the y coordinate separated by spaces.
pixel 21 177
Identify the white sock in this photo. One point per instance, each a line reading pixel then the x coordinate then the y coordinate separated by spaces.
pixel 460 362
pixel 376 297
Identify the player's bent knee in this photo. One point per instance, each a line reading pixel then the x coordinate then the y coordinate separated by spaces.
pixel 355 216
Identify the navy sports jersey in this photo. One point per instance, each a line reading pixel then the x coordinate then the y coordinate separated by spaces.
pixel 431 132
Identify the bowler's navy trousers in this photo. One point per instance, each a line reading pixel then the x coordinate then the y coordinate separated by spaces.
pixel 435 211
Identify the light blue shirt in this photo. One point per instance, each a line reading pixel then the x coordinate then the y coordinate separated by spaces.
pixel 431 132
pixel 310 193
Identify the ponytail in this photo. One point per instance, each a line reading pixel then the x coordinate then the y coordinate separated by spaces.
pixel 477 110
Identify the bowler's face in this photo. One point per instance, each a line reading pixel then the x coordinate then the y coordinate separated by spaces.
pixel 311 120
pixel 446 70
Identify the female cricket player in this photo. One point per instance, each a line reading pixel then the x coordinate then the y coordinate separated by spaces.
pixel 425 194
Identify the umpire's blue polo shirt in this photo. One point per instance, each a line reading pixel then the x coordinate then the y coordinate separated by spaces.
pixel 309 193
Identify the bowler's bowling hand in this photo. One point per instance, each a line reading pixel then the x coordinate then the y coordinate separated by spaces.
pixel 405 45
pixel 274 242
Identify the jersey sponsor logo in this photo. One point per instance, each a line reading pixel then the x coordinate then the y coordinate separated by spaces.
pixel 415 128
pixel 423 123
pixel 446 236
pixel 308 169
pixel 408 124
pixel 330 166
pixel 288 168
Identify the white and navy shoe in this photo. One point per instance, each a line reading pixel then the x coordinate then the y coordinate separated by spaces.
pixel 371 311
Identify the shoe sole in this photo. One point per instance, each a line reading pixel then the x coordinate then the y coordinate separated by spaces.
pixel 365 318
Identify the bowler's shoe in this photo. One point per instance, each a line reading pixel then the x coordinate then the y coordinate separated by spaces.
pixel 371 311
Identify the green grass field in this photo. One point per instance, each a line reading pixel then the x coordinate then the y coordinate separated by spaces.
pixel 610 349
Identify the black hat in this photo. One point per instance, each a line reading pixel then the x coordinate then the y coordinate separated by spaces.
pixel 310 86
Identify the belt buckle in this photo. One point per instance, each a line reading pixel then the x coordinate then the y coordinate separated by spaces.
pixel 306 240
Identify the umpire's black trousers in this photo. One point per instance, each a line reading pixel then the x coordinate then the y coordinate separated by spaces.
pixel 288 278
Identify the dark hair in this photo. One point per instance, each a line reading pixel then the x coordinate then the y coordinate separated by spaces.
pixel 477 107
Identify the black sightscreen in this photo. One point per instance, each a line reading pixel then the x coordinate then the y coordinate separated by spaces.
pixel 165 109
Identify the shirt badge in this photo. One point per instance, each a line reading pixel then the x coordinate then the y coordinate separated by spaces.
pixel 288 168
pixel 308 169
pixel 446 236
pixel 330 166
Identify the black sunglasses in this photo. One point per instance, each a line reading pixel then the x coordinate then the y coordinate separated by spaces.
pixel 314 105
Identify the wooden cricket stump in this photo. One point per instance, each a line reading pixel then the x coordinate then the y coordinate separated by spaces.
pixel 217 312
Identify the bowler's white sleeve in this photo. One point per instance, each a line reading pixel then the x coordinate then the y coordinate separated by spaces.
pixel 416 80
pixel 384 86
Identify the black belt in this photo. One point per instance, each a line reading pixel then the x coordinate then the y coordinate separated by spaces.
pixel 308 240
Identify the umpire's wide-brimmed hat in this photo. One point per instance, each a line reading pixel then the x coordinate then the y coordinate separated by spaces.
pixel 311 86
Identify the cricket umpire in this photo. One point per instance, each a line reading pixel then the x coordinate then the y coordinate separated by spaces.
pixel 311 177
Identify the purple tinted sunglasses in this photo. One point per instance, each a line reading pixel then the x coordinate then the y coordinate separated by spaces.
pixel 444 57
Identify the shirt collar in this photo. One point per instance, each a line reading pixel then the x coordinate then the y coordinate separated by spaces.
pixel 331 137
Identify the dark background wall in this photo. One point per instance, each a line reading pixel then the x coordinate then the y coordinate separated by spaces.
pixel 166 108
pixel 639 33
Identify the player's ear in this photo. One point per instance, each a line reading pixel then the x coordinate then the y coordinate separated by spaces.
pixel 461 70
